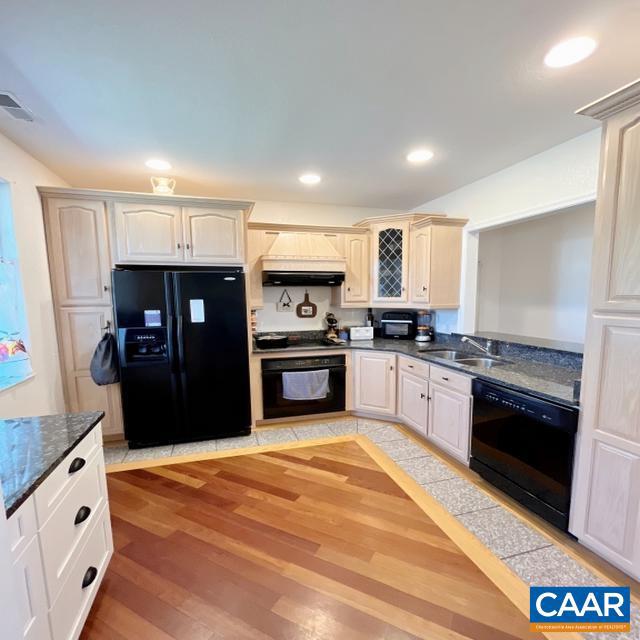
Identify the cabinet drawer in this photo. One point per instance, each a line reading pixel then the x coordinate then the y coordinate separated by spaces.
pixel 22 527
pixel 61 537
pixel 57 485
pixel 70 610
pixel 451 380
pixel 411 365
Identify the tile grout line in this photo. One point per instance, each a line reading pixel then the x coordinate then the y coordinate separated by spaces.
pixel 522 553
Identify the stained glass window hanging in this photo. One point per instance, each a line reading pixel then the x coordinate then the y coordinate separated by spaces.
pixel 390 263
pixel 15 363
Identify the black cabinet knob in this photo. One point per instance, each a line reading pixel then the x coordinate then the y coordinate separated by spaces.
pixel 89 577
pixel 82 515
pixel 77 464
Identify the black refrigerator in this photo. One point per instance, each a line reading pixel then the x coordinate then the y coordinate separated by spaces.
pixel 183 351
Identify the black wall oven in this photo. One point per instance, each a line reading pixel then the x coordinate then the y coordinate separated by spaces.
pixel 276 406
pixel 525 446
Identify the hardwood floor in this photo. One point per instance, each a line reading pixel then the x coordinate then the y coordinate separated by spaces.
pixel 305 543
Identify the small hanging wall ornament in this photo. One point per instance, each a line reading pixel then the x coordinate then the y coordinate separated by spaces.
pixel 306 309
pixel 285 302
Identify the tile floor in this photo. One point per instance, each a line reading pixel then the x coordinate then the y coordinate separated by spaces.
pixel 533 557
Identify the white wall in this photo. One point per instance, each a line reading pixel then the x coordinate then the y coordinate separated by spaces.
pixel 533 277
pixel 561 177
pixel 270 319
pixel 42 393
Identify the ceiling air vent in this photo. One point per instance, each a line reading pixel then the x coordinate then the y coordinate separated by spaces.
pixel 9 103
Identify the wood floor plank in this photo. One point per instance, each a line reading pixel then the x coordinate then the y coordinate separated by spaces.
pixel 312 543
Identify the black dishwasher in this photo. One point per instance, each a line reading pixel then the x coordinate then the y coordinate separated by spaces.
pixel 525 446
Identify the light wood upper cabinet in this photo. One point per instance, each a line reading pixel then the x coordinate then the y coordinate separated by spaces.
pixel 356 287
pixel 375 382
pixel 420 264
pixel 214 236
pixel 78 251
pixel 415 261
pixel 605 508
pixel 450 420
pixel 148 233
pixel 390 243
pixel 617 225
pixel 435 255
pixel 413 401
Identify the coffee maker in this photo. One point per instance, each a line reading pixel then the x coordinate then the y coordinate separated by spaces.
pixel 331 334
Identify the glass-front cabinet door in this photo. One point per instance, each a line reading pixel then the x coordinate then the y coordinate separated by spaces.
pixel 390 243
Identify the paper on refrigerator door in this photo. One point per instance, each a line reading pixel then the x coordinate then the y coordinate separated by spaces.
pixel 197 310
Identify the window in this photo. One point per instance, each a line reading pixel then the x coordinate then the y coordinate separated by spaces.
pixel 15 364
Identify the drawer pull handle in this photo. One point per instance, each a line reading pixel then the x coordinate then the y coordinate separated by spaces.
pixel 410 366
pixel 77 464
pixel 445 378
pixel 89 577
pixel 82 515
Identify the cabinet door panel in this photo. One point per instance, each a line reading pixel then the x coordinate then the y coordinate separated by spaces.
pixel 616 259
pixel 78 251
pixel 612 517
pixel 148 233
pixel 356 283
pixel 32 598
pixel 450 420
pixel 420 264
pixel 215 236
pixel 375 380
pixel 390 260
pixel 80 331
pixel 412 400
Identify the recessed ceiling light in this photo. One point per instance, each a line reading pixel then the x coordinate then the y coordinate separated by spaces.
pixel 158 164
pixel 309 178
pixel 418 156
pixel 570 51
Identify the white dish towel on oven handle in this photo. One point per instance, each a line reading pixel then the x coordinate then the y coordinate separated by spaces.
pixel 305 385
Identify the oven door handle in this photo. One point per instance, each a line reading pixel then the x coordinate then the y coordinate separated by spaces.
pixel 274 372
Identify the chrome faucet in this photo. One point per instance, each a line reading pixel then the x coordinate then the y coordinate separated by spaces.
pixel 489 349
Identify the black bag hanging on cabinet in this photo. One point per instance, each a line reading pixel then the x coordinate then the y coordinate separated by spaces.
pixel 104 363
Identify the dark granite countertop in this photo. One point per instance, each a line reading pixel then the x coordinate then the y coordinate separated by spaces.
pixel 544 343
pixel 31 448
pixel 542 379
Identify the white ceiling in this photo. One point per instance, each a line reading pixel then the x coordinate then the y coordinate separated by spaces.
pixel 244 95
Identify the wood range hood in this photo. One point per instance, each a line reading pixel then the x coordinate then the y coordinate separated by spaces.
pixel 302 258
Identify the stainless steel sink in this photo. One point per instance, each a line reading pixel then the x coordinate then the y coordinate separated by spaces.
pixel 483 363
pixel 446 354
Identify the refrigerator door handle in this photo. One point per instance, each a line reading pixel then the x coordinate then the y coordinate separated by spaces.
pixel 180 344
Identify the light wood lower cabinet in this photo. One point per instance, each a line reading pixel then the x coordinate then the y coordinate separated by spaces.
pixel 434 401
pixel 413 401
pixel 450 420
pixel 80 330
pixel 375 382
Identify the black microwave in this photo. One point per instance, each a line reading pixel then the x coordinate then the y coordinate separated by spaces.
pixel 398 324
